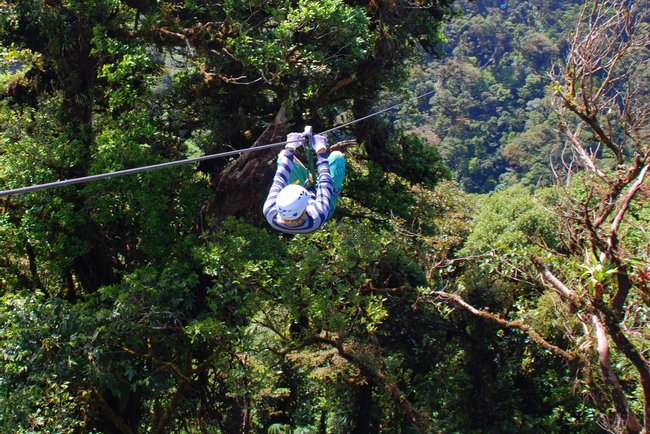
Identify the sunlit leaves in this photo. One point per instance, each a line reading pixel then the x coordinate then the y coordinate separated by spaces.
pixel 314 39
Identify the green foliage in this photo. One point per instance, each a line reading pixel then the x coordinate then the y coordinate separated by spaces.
pixel 418 162
pixel 334 27
pixel 511 219
pixel 129 78
pixel 36 352
pixel 405 192
pixel 487 117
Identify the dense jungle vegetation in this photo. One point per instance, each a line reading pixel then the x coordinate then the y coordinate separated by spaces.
pixel 487 269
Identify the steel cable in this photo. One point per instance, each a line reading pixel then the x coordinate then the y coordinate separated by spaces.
pixel 84 179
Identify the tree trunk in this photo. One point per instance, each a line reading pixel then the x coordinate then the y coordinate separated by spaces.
pixel 246 182
pixel 365 422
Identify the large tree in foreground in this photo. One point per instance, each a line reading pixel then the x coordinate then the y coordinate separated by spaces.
pixel 589 243
pixel 110 318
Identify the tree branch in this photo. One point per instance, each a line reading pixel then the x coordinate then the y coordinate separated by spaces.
pixel 373 374
pixel 556 283
pixel 626 205
pixel 378 377
pixel 185 379
pixel 458 301
pixel 620 400
pixel 578 147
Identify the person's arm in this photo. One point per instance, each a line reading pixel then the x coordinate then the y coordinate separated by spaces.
pixel 325 186
pixel 280 180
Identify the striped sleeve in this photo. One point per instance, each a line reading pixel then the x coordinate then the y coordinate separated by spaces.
pixel 280 180
pixel 325 187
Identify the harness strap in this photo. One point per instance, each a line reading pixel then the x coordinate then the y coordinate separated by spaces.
pixel 311 156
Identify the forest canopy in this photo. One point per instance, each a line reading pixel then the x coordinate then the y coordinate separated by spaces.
pixel 487 268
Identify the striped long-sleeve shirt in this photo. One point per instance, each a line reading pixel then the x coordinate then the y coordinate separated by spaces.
pixel 318 207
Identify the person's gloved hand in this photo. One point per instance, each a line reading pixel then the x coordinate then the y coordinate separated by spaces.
pixel 319 143
pixel 294 140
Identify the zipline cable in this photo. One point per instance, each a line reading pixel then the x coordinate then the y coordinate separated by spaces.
pixel 393 107
pixel 84 179
pixel 133 170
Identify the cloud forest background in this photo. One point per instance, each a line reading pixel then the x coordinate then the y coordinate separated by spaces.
pixel 487 269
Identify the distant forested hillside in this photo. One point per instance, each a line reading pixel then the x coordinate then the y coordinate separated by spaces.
pixel 489 116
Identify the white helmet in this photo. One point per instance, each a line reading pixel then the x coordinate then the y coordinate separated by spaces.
pixel 292 201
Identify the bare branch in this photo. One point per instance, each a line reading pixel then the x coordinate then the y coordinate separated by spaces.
pixel 578 146
pixel 602 57
pixel 602 88
pixel 631 352
pixel 553 280
pixel 625 206
pixel 445 262
pixel 458 301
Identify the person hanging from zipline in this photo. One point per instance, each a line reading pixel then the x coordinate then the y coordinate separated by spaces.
pixel 296 204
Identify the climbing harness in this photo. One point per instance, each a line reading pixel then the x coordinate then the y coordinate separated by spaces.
pixel 84 179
